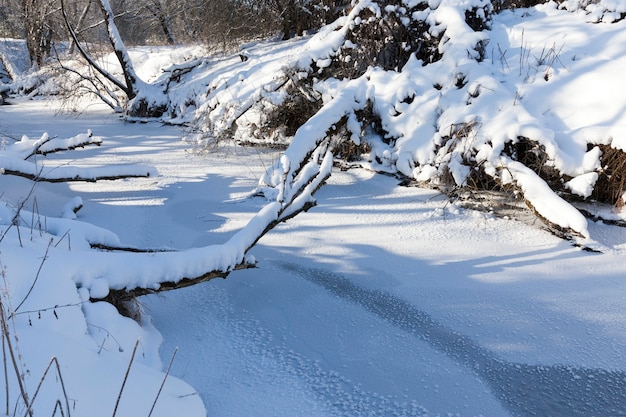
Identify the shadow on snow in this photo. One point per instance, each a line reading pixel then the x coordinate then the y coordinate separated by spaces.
pixel 525 390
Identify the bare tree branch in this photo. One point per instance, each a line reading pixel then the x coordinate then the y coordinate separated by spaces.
pixel 89 175
pixel 133 82
pixel 79 25
pixel 87 56
pixel 311 176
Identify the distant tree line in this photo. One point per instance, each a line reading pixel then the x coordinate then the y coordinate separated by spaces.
pixel 222 23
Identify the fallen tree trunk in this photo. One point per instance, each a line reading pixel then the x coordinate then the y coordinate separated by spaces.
pixel 143 99
pixel 121 298
pixel 90 176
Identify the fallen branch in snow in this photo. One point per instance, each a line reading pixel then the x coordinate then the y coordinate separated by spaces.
pixel 120 298
pixel 47 145
pixel 289 185
pixel 116 248
pixel 129 275
pixel 547 205
pixel 14 160
pixel 87 175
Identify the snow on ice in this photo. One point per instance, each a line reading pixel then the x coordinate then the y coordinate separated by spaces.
pixel 382 300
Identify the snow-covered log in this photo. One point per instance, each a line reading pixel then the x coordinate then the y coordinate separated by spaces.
pixel 18 159
pixel 105 269
pixel 120 274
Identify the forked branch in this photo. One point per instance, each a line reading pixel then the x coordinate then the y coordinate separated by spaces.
pixel 310 177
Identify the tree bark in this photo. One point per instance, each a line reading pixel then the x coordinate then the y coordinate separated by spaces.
pixel 163 19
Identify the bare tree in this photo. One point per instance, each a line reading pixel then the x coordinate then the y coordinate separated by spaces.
pixel 38 22
pixel 148 21
pixel 143 99
pixel 81 22
pixel 10 19
pixel 42 26
pixel 160 10
pixel 38 29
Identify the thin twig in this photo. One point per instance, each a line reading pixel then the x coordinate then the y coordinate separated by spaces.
pixel 54 361
pixel 130 364
pixel 16 218
pixel 163 383
pixel 67 401
pixel 119 346
pixel 45 256
pixel 20 381
pixel 62 237
pixel 58 406
pixel 6 374
pixel 40 310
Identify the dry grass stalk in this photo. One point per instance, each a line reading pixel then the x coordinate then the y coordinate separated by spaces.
pixel 130 364
pixel 14 362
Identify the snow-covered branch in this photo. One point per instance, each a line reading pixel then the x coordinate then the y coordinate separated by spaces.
pixel 15 159
pixel 128 275
pixel 443 99
pixel 87 56
pixel 110 271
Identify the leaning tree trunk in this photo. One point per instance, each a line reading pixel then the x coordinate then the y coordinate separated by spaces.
pixel 81 20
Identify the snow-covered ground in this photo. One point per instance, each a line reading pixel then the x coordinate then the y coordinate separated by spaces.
pixel 382 300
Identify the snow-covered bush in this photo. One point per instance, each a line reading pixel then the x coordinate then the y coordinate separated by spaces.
pixel 598 10
pixel 436 92
pixel 449 93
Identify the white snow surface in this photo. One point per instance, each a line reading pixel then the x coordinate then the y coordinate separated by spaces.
pixel 382 300
pixel 546 75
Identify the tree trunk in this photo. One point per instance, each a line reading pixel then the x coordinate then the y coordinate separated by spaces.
pixel 133 82
pixel 143 100
pixel 38 32
pixel 164 20
pixel 288 19
pixel 81 20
